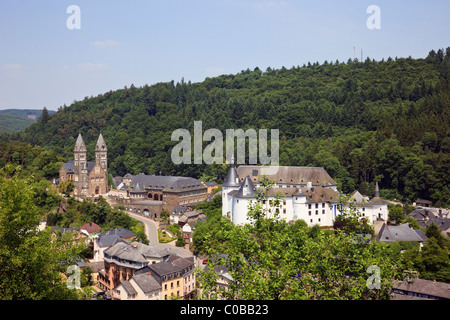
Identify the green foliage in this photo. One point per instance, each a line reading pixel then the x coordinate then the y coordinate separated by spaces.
pixel 270 259
pixel 31 261
pixel 362 121
pixel 351 221
pixel 396 213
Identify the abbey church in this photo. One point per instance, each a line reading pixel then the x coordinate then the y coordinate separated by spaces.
pixel 89 177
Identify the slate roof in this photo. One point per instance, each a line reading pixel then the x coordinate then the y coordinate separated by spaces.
pixel 79 144
pixel 146 282
pixel 109 240
pixel 442 223
pixel 173 264
pixel 135 251
pixel 179 210
pixel 121 232
pixel 247 189
pixel 232 178
pixel 289 174
pixel 128 287
pixel 101 145
pixel 402 232
pixel 428 287
pixel 70 167
pixel 167 183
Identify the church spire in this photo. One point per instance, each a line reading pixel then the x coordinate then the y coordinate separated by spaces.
pixel 377 190
pixel 101 145
pixel 79 145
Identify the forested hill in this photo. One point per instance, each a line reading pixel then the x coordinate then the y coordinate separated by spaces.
pixel 385 121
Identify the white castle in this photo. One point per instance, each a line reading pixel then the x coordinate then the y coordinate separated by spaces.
pixel 310 194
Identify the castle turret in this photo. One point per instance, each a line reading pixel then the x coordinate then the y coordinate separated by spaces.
pixel 231 183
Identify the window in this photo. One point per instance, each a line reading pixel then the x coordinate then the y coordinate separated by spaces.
pixel 165 286
pixel 309 206
pixel 178 283
pixel 284 210
pixel 317 212
pixel 323 205
pixel 317 205
pixel 309 213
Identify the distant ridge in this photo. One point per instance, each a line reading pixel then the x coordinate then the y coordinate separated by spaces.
pixel 13 120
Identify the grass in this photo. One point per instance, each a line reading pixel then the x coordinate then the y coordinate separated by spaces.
pixel 163 237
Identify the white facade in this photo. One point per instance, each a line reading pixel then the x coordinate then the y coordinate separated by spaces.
pixel 303 199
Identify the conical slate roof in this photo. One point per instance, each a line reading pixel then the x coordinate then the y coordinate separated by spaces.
pixel 247 189
pixel 101 145
pixel 232 179
pixel 79 145
pixel 377 190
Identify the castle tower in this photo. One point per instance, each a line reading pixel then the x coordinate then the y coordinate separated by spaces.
pixel 80 167
pixel 231 183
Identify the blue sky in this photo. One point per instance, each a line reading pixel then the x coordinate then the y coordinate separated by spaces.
pixel 43 63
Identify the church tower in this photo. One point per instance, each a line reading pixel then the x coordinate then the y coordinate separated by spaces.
pixel 101 159
pixel 101 153
pixel 80 167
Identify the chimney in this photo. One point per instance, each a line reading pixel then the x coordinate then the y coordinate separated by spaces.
pixel 309 184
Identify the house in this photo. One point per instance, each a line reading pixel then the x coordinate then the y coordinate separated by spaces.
pixel 210 185
pixel 96 267
pixel 222 282
pixel 403 232
pixel 176 276
pixel 140 287
pixel 122 260
pixel 423 203
pixel 442 223
pixel 177 212
pixel 420 289
pixel 103 242
pixel 90 228
pixel 372 209
pixel 188 221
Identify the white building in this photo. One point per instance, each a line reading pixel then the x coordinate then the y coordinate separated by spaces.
pixel 372 209
pixel 310 194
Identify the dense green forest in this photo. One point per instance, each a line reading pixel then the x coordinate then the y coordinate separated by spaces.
pixel 385 121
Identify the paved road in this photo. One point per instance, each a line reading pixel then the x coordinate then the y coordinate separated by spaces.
pixel 151 229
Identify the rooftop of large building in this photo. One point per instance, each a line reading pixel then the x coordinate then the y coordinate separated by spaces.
pixel 167 183
pixel 288 175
